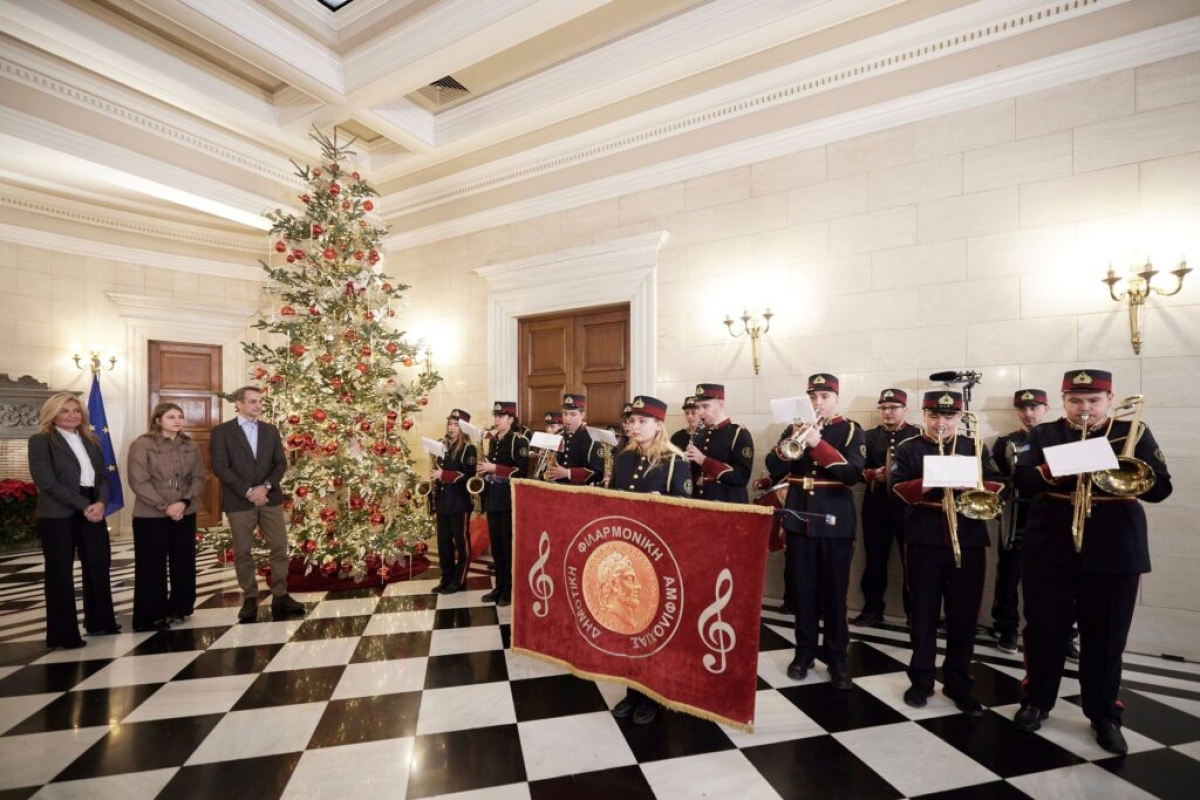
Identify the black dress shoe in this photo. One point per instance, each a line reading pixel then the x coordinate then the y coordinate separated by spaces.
pixel 1029 718
pixel 624 708
pixel 916 697
pixel 1109 736
pixel 159 625
pixel 249 611
pixel 71 646
pixel 840 679
pixel 645 712
pixel 491 596
pixel 106 632
pixel 798 670
pixel 964 702
pixel 284 605
pixel 865 620
pixel 1008 643
pixel 504 601
pixel 784 608
pixel 444 588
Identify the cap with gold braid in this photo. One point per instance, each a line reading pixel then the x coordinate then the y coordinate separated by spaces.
pixel 1029 397
pixel 508 407
pixel 553 418
pixel 574 402
pixel 942 401
pixel 823 382
pixel 897 396
pixel 646 406
pixel 710 391
pixel 1087 380
pixel 459 414
pixel 689 403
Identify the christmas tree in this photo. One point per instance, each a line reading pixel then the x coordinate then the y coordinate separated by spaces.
pixel 340 380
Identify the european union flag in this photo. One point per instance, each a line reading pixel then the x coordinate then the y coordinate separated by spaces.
pixel 99 423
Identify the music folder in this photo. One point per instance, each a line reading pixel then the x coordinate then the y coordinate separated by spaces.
pixel 546 441
pixel 433 447
pixel 603 436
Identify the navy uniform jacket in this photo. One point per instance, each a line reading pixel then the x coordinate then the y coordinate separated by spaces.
pixel 924 516
pixel 510 454
pixel 879 441
pixel 729 460
pixel 681 438
pixel 582 455
pixel 819 481
pixel 1114 537
pixel 670 477
pixel 458 467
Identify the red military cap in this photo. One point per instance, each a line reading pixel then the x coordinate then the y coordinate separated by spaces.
pixel 574 402
pixel 1087 380
pixel 897 396
pixel 646 406
pixel 823 382
pixel 1029 397
pixel 689 403
pixel 554 418
pixel 942 401
pixel 710 391
pixel 459 414
pixel 508 407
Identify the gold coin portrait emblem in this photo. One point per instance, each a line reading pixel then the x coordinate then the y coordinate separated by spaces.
pixel 620 588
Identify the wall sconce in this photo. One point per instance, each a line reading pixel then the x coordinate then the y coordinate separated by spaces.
pixel 428 368
pixel 754 328
pixel 1137 289
pixel 92 361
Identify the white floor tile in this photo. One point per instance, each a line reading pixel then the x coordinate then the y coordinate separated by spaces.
pixel 381 677
pixel 260 732
pixel 1068 728
pixel 892 750
pixel 207 618
pixel 16 709
pixel 890 688
pixel 36 758
pixel 97 647
pixel 131 670
pixel 256 633
pixel 469 599
pixel 410 587
pixel 776 719
pixel 1192 749
pixel 369 769
pixel 460 707
pixel 193 698
pixel 522 667
pixel 1179 703
pixel 350 607
pixel 568 745
pixel 1067 687
pixel 465 640
pixel 772 668
pixel 399 622
pixel 317 653
pixel 129 786
pixel 724 774
pixel 511 791
pixel 1079 781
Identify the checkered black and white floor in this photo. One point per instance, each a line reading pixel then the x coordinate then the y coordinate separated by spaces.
pixel 407 694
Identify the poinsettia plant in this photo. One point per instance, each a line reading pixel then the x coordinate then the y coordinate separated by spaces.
pixel 18 502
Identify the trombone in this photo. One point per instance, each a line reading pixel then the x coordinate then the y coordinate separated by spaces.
pixel 1081 500
pixel 793 447
pixel 978 502
pixel 1132 476
pixel 949 509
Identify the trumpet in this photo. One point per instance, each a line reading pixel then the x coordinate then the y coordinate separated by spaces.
pixel 1132 476
pixel 978 503
pixel 949 509
pixel 1081 500
pixel 793 447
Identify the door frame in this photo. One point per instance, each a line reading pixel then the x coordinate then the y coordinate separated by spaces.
pixel 618 271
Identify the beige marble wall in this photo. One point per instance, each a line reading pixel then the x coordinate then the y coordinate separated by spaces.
pixel 975 239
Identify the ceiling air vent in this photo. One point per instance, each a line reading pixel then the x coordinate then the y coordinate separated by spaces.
pixel 443 90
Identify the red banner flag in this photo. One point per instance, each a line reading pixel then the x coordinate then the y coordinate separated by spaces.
pixel 663 594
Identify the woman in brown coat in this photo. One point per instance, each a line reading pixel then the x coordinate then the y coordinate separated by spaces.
pixel 167 476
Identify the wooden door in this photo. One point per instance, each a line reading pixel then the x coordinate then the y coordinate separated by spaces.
pixel 189 375
pixel 579 351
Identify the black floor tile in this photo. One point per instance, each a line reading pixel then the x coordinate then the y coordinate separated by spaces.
pixel 506 637
pixel 312 630
pixel 406 602
pixel 997 744
pixel 291 686
pixel 86 709
pixel 367 719
pixel 179 641
pixel 556 696
pixel 458 761
pixel 996 790
pixel 993 687
pixel 626 783
pixel 1166 774
pixel 45 678
pixel 229 661
pixel 18 654
pixel 769 639
pixel 348 594
pixel 1161 722
pixel 863 660
pixel 262 778
pixel 672 735
pixel 227 599
pixel 463 669
pixel 761 685
pixel 464 617
pixel 140 746
pixel 818 766
pixel 19 794
pixel 391 646
pixel 477 583
pixel 837 711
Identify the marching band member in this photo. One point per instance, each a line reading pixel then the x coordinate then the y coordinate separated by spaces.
pixel 506 457
pixel 651 465
pixel 932 574
pixel 691 419
pixel 454 505
pixel 624 439
pixel 1030 406
pixel 830 461
pixel 1095 580
pixel 881 521
pixel 581 460
pixel 553 421
pixel 723 453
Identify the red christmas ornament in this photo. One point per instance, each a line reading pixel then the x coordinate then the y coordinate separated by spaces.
pixel 364 426
pixel 287 311
pixel 332 427
pixel 364 351
pixel 316 173
pixel 357 502
pixel 423 401
pixel 280 246
pixel 350 335
pixel 334 189
pixel 355 176
pixel 373 259
pixel 199 538
pixel 380 448
pixel 225 557
pixel 328 514
pixel 338 481
pixel 329 569
pixel 419 548
pixel 305 199
pixel 294 419
pixel 389 426
pixel 330 254
pixel 291 260
pixel 331 448
pixel 345 205
pixel 298 350
pixel 392 414
pixel 406 424
pixel 369 316
pixel 362 368
pixel 275 379
pixel 335 382
pixel 384 573
pixel 378 519
pixel 317 230
pixel 358 255
pixel 308 546
pixel 407 361
pixel 319 414
pixel 368 205
pixel 327 358
pixel 387 287
pixel 314 311
pixel 347 398
pixel 400 544
pixel 260 373
pixel 302 491
pixel 265 571
pixel 298 254
pixel 391 347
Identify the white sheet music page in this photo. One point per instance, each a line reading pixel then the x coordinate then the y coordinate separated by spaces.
pixel 955 472
pixel 1075 458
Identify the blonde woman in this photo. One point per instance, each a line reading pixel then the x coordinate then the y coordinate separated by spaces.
pixel 167 476
pixel 68 468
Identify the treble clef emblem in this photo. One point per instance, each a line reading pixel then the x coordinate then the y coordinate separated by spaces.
pixel 541 584
pixel 717 634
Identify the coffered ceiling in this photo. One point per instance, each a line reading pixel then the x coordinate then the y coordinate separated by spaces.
pixel 174 120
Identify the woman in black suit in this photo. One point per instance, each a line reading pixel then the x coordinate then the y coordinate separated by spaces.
pixel 68 469
pixel 454 505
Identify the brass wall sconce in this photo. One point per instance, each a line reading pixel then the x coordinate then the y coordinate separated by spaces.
pixel 1137 289
pixel 754 327
pixel 92 362
pixel 427 371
